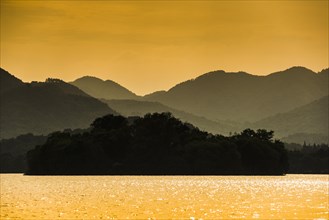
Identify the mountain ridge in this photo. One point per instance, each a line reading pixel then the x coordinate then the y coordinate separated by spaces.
pixel 106 89
pixel 219 95
pixel 44 107
pixel 140 108
pixel 8 81
pixel 309 118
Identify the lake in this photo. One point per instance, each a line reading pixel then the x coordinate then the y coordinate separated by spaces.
pixel 163 197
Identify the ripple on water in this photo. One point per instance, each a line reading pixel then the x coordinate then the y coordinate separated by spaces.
pixel 154 197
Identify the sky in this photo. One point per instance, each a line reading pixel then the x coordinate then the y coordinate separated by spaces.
pixel 148 46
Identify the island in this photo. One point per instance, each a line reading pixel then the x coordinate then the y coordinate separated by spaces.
pixel 156 144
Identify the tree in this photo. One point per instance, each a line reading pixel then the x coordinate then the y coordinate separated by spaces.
pixel 156 144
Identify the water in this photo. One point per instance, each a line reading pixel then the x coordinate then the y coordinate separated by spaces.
pixel 163 197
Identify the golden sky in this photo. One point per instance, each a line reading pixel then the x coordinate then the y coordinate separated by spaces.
pixel 152 45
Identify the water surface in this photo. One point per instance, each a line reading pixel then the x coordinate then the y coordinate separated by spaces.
pixel 163 197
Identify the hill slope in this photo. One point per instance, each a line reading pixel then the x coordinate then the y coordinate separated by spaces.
pixel 140 108
pixel 8 81
pixel 244 97
pixel 310 119
pixel 103 89
pixel 41 108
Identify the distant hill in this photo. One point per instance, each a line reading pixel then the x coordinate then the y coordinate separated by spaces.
pixel 13 152
pixel 308 119
pixel 140 108
pixel 43 107
pixel 243 97
pixel 301 138
pixel 154 94
pixel 8 81
pixel 103 89
pixel 308 123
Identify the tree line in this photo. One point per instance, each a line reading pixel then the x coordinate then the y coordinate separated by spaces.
pixel 157 144
pixel 305 158
pixel 308 158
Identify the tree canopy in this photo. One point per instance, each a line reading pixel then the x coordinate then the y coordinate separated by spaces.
pixel 157 144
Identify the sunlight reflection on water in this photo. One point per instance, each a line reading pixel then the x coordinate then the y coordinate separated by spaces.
pixel 163 197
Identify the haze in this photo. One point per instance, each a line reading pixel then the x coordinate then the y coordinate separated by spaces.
pixel 149 46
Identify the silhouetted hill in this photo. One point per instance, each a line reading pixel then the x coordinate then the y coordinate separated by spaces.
pixel 309 159
pixel 244 97
pixel 8 81
pixel 154 94
pixel 310 119
pixel 308 123
pixel 324 72
pixel 13 152
pixel 103 89
pixel 41 108
pixel 307 138
pixel 140 108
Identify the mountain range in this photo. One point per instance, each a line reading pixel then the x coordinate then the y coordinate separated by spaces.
pixel 244 97
pixel 311 118
pixel 44 107
pixel 103 89
pixel 290 102
pixel 306 123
